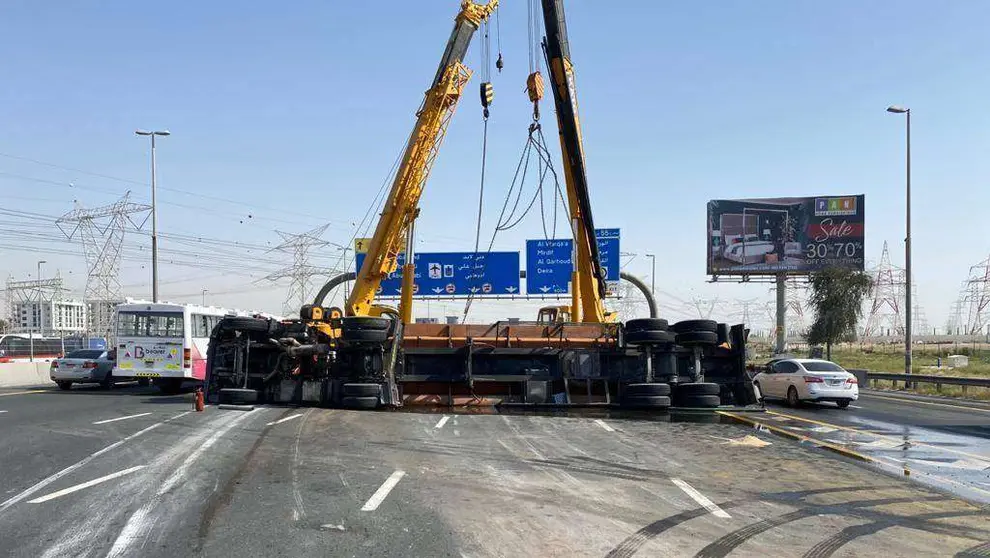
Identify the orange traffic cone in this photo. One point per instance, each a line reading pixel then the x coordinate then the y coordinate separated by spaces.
pixel 199 400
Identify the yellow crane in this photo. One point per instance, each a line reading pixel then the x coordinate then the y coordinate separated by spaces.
pixel 395 227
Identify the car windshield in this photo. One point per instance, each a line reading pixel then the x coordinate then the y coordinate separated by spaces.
pixel 85 353
pixel 822 366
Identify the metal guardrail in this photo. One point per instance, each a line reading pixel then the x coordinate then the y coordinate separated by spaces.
pixel 939 381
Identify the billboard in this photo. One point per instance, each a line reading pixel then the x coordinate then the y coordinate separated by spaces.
pixel 767 236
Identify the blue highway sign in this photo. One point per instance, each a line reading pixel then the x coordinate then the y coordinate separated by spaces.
pixel 549 265
pixel 456 274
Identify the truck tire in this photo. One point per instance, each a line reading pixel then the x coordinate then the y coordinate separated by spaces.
pixel 649 337
pixel 362 390
pixel 359 402
pixel 646 401
pixel 698 401
pixel 695 325
pixel 238 396
pixel 355 323
pixel 700 388
pixel 169 386
pixel 244 323
pixel 365 335
pixel 647 389
pixel 692 338
pixel 646 324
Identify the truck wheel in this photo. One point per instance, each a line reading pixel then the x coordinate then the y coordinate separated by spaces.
pixel 702 401
pixel 362 390
pixel 64 385
pixel 649 337
pixel 243 323
pixel 365 335
pixel 170 386
pixel 647 389
pixel 238 396
pixel 646 324
pixel 699 388
pixel 692 338
pixel 646 401
pixel 695 325
pixel 359 402
pixel 353 323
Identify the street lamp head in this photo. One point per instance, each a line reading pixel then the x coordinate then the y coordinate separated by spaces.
pixel 154 133
pixel 142 132
pixel 897 109
pixel 162 133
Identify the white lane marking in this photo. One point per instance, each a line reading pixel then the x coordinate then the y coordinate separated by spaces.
pixel 442 422
pixel 286 419
pixel 855 407
pixel 602 423
pixel 87 484
pixel 121 418
pixel 701 499
pixel 3 411
pixel 52 478
pixel 23 392
pixel 379 496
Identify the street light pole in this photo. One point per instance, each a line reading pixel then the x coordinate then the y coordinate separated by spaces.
pixel 204 296
pixel 907 242
pixel 653 273
pixel 154 212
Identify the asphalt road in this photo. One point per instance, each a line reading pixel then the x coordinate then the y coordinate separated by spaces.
pixel 164 481
pixel 940 441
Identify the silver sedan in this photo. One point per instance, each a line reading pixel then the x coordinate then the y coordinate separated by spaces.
pixel 85 366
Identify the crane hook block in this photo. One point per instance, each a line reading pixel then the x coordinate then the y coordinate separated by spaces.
pixel 487 94
pixel 534 86
pixel 498 63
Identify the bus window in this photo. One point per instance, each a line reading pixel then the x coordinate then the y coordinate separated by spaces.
pixel 150 324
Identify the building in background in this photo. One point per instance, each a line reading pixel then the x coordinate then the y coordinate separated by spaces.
pixel 49 317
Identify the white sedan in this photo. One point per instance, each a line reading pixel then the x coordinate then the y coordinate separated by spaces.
pixel 799 379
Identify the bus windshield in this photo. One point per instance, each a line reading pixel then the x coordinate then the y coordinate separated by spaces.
pixel 150 324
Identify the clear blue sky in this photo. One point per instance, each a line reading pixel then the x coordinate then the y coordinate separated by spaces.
pixel 298 109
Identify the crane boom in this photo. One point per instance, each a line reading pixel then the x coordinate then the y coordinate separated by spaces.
pixel 588 278
pixel 401 206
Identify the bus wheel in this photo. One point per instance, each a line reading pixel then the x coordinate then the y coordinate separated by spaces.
pixel 144 382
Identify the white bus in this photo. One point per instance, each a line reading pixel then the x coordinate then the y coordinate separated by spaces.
pixel 164 342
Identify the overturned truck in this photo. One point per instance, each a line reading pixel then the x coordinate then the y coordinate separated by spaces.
pixel 367 362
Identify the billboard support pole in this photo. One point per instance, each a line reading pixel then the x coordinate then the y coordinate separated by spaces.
pixel 781 313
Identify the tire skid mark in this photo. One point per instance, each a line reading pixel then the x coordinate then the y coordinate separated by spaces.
pixel 298 509
pixel 723 546
pixel 633 543
pixel 827 547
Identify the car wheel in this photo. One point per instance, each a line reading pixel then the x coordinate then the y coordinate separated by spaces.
pixel 107 382
pixel 64 385
pixel 792 397
pixel 843 403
